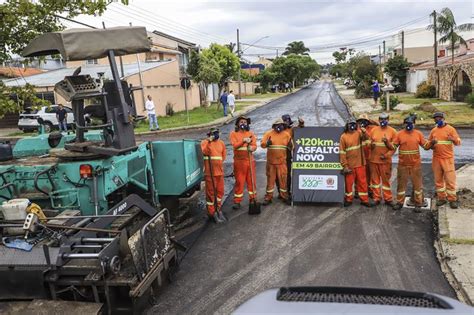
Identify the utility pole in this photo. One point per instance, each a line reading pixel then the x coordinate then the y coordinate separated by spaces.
pixel 435 39
pixel 238 75
pixel 277 53
pixel 380 55
pixel 403 44
pixel 383 51
pixel 140 77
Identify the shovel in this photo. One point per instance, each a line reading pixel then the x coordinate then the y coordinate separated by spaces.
pixel 254 206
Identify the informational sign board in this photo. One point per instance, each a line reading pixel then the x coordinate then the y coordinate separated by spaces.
pixel 316 171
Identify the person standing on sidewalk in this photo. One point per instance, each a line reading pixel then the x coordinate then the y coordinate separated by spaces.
pixel 443 138
pixel 214 154
pixel 380 163
pixel 408 142
pixel 376 92
pixel 223 100
pixel 150 109
pixel 276 141
pixel 61 116
pixel 242 139
pixel 351 156
pixel 231 102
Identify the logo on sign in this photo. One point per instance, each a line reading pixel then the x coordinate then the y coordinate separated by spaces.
pixel 317 182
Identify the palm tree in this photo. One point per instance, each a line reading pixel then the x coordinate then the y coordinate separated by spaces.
pixel 447 28
pixel 297 48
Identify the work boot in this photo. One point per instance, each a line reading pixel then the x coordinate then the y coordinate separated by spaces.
pixel 417 209
pixel 397 206
pixel 367 204
pixel 287 201
pixel 222 216
pixel 236 206
pixel 216 218
pixel 389 203
pixel 441 202
pixel 266 202
pixel 454 204
pixel 376 203
pixel 347 203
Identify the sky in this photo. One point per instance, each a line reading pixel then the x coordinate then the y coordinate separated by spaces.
pixel 266 26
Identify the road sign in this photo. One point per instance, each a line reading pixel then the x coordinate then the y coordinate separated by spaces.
pixel 316 171
pixel 185 83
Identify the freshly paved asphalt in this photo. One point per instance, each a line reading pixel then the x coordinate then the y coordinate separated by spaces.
pixel 305 244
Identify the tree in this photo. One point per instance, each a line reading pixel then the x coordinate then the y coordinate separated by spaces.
pixel 21 21
pixel 397 68
pixel 448 29
pixel 294 68
pixel 228 62
pixel 297 48
pixel 266 78
pixel 341 56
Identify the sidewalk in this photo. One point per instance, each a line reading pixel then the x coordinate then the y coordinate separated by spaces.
pixel 456 237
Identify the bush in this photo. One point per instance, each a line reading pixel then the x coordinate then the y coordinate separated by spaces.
pixel 169 109
pixel 425 90
pixel 363 90
pixel 394 101
pixel 470 99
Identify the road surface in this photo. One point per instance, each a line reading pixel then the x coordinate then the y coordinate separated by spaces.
pixel 304 244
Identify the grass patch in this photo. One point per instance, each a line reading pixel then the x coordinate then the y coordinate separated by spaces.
pixel 22 134
pixel 414 100
pixel 458 241
pixel 455 115
pixel 197 116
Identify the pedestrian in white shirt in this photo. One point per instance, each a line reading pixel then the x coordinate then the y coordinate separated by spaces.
pixel 150 109
pixel 231 102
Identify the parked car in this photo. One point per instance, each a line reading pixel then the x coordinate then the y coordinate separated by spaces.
pixel 29 118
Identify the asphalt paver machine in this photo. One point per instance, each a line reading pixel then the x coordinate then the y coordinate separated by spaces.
pixel 82 219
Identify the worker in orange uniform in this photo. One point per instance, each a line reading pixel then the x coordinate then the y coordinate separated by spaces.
pixel 289 154
pixel 408 142
pixel 366 124
pixel 243 140
pixel 276 141
pixel 443 138
pixel 380 162
pixel 214 152
pixel 351 155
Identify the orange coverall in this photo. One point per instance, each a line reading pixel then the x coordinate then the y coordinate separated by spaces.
pixel 381 169
pixel 443 161
pixel 351 156
pixel 409 164
pixel 242 164
pixel 214 153
pixel 276 162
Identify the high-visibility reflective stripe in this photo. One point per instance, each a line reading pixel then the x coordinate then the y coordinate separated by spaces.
pixel 213 157
pixel 363 194
pixel 386 188
pixel 349 194
pixel 374 186
pixel 441 190
pixel 379 144
pixel 210 203
pixel 366 142
pixel 242 149
pixel 238 195
pixel 451 192
pixel 251 193
pixel 418 192
pixel 353 148
pixel 409 152
pixel 342 152
pixel 401 193
pixel 283 190
pixel 270 191
pixel 219 199
pixel 277 147
pixel 444 142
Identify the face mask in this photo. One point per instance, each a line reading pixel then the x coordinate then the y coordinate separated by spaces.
pixel 383 123
pixel 244 127
pixel 278 128
pixel 440 123
pixel 363 124
pixel 216 135
pixel 409 126
pixel 352 126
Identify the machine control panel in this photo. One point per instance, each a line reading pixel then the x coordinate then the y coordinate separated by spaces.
pixel 78 86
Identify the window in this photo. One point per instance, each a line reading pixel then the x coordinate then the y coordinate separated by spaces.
pixel 51 110
pixel 92 61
